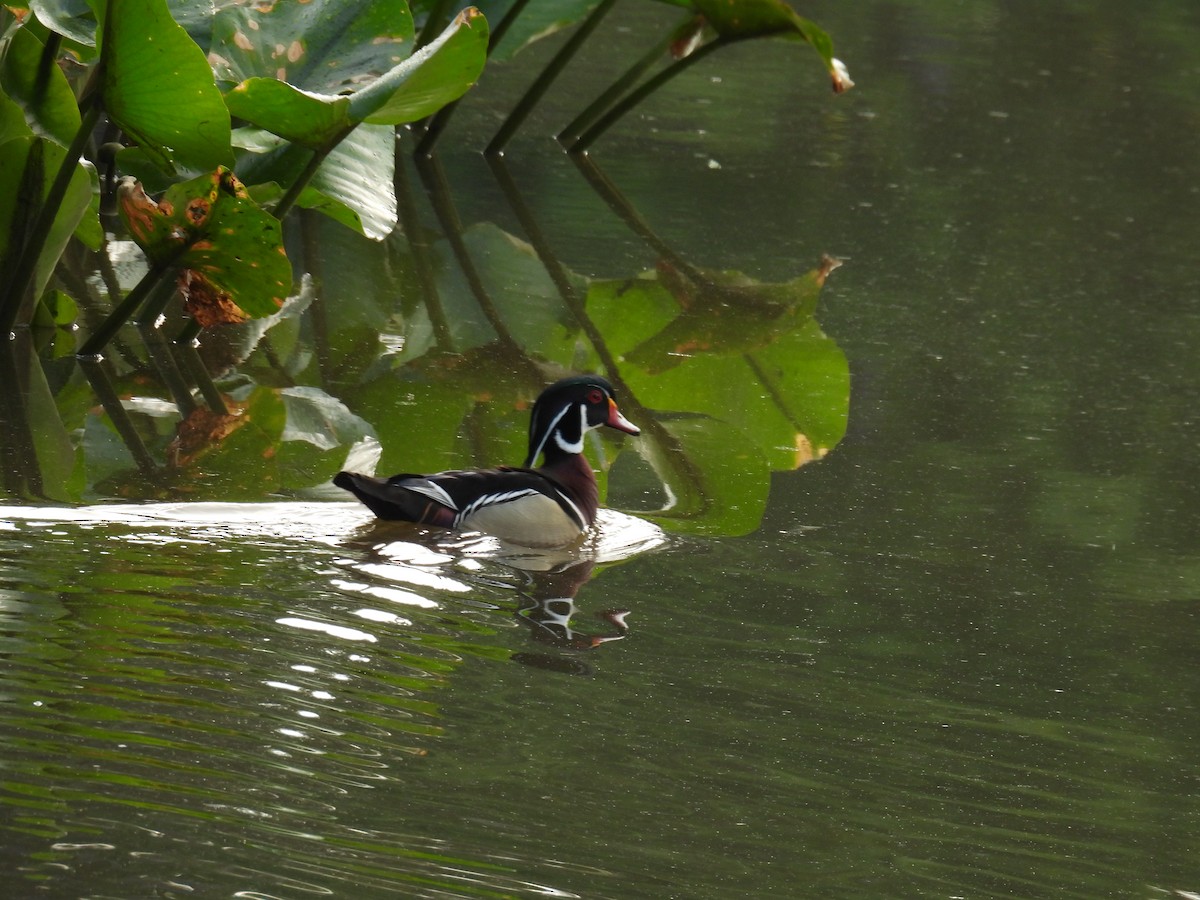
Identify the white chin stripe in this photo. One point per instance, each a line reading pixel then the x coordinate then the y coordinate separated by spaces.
pixel 562 445
pixel 584 428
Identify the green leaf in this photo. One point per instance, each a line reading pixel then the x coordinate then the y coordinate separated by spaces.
pixel 71 18
pixel 354 185
pixel 42 93
pixel 211 229
pixel 27 168
pixel 301 116
pixel 435 75
pixel 159 89
pixel 738 19
pixel 331 47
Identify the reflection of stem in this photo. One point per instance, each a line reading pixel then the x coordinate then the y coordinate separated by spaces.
pixel 443 206
pixel 168 372
pixel 189 332
pixel 634 97
pixel 316 310
pixel 619 87
pixel 126 308
pixel 108 398
pixel 554 268
pixel 204 383
pixel 672 465
pixel 542 83
pixel 17 449
pixel 436 123
pixel 422 265
pixel 631 217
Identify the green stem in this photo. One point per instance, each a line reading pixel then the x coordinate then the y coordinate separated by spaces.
pixel 435 22
pixel 436 123
pixel 633 98
pixel 542 83
pixel 620 86
pixel 18 301
pixel 288 200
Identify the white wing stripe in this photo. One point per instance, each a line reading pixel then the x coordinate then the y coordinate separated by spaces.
pixel 492 499
pixel 433 491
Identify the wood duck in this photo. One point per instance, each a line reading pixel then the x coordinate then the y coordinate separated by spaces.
pixel 548 506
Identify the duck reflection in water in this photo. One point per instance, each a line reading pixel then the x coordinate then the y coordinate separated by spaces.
pixel 547 611
pixel 404 560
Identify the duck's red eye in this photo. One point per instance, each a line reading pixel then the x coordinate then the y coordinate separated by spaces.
pixel 595 395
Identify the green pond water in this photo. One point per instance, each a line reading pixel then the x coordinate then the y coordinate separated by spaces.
pixel 897 598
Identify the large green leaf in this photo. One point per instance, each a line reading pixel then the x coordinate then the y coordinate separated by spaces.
pixel 158 87
pixel 332 47
pixel 27 168
pixel 39 87
pixel 353 186
pixel 435 75
pixel 316 91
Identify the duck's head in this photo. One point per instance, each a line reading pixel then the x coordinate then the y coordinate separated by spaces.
pixel 566 411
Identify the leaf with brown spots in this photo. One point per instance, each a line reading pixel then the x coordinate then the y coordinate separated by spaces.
pixel 228 252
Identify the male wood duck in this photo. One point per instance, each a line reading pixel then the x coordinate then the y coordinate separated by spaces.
pixel 548 506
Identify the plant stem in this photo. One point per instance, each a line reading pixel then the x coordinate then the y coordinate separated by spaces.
pixel 288 200
pixel 542 83
pixel 577 125
pixel 438 16
pixel 436 124
pixel 633 98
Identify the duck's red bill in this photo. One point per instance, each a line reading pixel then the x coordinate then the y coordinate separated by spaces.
pixel 618 421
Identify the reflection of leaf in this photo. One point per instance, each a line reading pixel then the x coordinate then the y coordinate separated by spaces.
pixel 716 481
pixel 317 418
pixel 229 249
pixel 199 432
pixel 725 313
